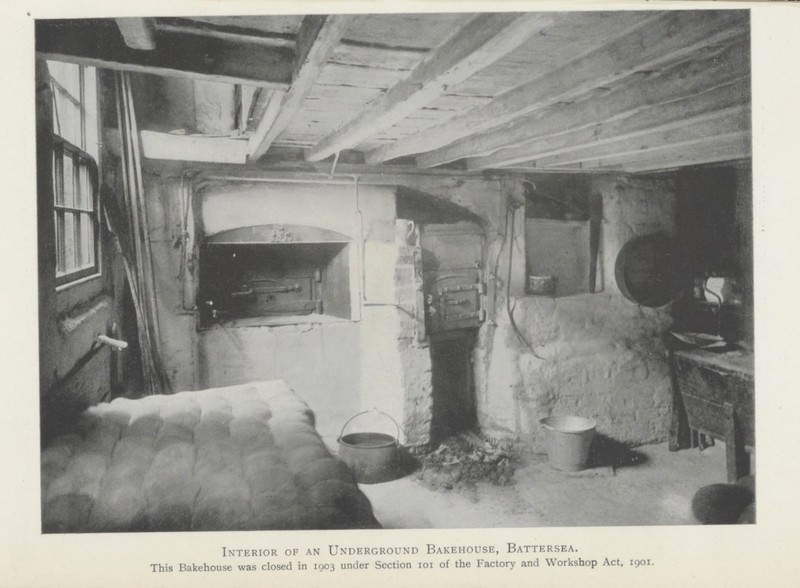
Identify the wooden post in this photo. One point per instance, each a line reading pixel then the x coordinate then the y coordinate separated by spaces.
pixel 736 457
pixel 679 434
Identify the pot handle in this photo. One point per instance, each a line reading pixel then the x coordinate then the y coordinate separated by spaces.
pixel 363 412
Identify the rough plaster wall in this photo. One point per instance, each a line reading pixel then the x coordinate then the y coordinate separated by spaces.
pixel 71 336
pixel 600 357
pixel 236 204
pixel 596 355
pixel 415 358
pixel 631 208
pixel 382 368
pixel 418 392
pixel 483 197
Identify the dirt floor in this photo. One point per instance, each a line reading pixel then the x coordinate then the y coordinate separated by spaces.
pixel 653 487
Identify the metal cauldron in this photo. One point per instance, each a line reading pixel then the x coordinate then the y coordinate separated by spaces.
pixel 371 456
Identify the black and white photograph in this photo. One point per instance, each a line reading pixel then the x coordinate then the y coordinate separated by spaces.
pixel 369 272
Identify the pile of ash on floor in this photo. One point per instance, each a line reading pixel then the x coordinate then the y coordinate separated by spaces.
pixel 463 461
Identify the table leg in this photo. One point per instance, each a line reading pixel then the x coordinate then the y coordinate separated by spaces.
pixel 736 458
pixel 679 433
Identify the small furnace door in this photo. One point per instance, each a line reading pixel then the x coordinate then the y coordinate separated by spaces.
pixel 452 262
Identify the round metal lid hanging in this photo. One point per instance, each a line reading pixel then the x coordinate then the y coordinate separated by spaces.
pixel 648 270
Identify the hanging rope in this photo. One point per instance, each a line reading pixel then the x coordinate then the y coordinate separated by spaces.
pixel 510 209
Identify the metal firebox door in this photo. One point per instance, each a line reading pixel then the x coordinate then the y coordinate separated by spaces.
pixel 452 258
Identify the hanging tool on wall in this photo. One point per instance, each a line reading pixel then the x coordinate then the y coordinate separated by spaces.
pixel 114 344
pixel 595 220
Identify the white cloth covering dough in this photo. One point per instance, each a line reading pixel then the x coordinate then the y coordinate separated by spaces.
pixel 233 458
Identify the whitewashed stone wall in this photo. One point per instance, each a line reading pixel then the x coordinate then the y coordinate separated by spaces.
pixel 596 355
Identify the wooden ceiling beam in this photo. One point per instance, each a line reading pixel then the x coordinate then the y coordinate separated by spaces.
pixel 665 38
pixel 732 147
pixel 481 42
pixel 138 33
pixel 229 33
pixel 99 43
pixel 694 85
pixel 317 38
pixel 348 49
pixel 720 125
pixel 554 136
pixel 722 154
pixel 530 168
pixel 195 148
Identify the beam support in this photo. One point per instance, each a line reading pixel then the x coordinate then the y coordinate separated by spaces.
pixel 481 42
pixel 667 37
pixel 99 43
pixel 317 38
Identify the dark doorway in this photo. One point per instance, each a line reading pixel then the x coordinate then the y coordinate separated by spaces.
pixel 453 383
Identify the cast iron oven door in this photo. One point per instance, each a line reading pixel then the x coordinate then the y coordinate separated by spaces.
pixel 452 258
pixel 274 271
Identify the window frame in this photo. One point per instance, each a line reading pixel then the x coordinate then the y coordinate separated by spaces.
pixel 84 205
pixel 61 148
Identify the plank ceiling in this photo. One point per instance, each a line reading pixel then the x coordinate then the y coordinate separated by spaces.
pixel 636 91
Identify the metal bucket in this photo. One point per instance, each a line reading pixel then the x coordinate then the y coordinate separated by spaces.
pixel 371 456
pixel 568 440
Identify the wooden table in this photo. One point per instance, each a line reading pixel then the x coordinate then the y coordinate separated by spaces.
pixel 713 394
